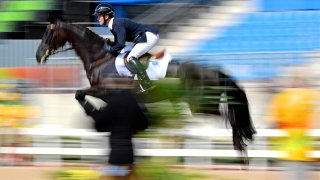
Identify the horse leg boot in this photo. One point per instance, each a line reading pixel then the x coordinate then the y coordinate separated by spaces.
pixel 135 66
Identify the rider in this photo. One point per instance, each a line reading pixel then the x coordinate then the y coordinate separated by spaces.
pixel 125 30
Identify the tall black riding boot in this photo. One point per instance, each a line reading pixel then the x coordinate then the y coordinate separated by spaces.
pixel 136 67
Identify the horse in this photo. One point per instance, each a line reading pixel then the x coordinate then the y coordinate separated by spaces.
pixel 204 89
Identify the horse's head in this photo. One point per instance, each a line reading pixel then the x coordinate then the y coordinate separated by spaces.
pixel 53 38
pixel 87 45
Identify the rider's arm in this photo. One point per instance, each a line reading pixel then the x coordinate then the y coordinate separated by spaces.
pixel 120 38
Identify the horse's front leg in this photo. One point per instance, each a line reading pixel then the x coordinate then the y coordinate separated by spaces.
pixel 97 92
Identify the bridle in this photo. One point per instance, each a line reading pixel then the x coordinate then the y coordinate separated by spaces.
pixel 53 31
pixel 53 34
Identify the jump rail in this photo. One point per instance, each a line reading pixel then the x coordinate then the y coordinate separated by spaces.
pixel 51 142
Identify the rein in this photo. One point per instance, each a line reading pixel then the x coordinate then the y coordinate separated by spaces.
pixel 54 28
pixel 96 63
pixel 63 50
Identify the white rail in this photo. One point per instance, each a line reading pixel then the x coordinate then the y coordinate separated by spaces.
pixel 51 142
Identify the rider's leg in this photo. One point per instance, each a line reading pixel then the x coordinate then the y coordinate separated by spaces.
pixel 136 67
pixel 133 60
pixel 141 48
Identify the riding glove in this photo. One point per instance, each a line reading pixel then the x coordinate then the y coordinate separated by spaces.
pixel 107 41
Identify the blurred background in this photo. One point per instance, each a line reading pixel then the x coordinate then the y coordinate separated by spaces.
pixel 263 44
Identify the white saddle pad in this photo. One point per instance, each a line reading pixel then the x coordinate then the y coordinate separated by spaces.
pixel 157 68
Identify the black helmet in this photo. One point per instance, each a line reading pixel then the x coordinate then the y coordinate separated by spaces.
pixel 104 9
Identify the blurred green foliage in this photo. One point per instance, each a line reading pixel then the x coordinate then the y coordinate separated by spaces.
pixel 12 12
pixel 159 169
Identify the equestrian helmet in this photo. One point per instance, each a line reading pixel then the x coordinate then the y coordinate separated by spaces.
pixel 104 8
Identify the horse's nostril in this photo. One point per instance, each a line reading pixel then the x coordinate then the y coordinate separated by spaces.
pixel 38 55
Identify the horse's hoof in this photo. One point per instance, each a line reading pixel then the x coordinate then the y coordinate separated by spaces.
pixel 80 95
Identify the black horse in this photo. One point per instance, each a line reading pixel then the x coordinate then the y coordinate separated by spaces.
pixel 203 88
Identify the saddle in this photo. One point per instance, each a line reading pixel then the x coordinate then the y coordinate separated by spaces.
pixel 144 59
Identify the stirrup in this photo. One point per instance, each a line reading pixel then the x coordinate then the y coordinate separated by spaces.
pixel 143 89
pixel 146 87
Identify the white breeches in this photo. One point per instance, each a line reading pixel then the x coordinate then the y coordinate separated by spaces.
pixel 141 48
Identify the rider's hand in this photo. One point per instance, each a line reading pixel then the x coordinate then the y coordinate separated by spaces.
pixel 107 41
pixel 80 95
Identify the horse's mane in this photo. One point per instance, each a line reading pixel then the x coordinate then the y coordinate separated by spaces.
pixel 84 33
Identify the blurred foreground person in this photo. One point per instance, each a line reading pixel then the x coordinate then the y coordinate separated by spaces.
pixel 293 111
pixel 122 117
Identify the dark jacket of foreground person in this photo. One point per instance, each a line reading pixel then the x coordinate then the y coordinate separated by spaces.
pixel 122 117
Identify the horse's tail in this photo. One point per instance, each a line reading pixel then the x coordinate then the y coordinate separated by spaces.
pixel 236 111
pixel 238 114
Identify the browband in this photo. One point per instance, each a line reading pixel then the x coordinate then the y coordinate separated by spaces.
pixel 51 26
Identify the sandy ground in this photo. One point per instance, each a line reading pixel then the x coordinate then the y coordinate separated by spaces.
pixel 253 175
pixel 43 173
pixel 26 173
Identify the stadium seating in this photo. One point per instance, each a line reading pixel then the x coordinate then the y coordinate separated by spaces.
pixel 262 43
pixel 268 31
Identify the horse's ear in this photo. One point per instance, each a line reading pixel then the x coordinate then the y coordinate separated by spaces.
pixel 54 16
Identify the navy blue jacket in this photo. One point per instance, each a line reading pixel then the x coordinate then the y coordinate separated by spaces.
pixel 125 30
